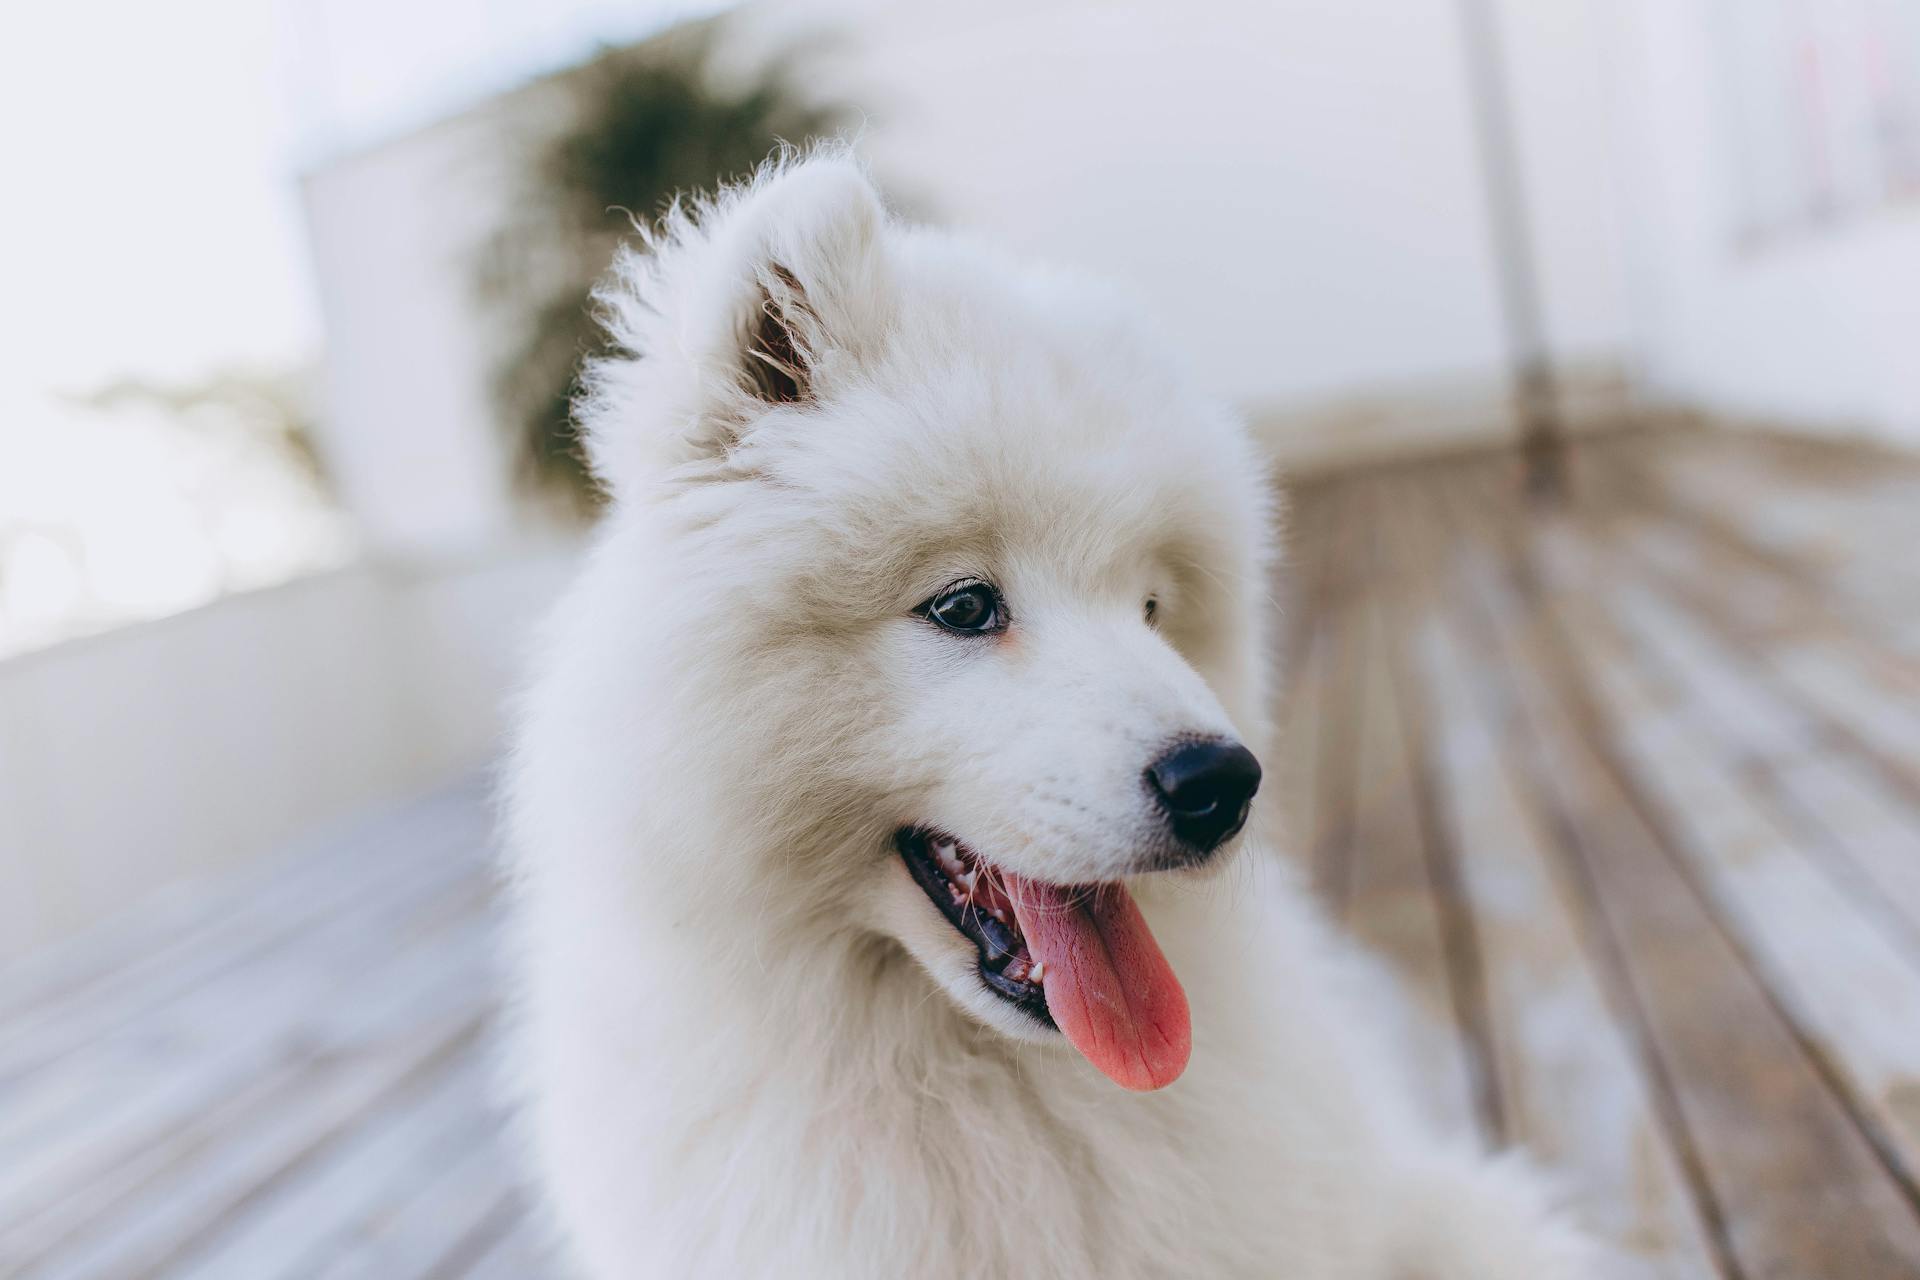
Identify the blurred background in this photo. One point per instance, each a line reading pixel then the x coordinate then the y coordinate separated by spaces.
pixel 1600 316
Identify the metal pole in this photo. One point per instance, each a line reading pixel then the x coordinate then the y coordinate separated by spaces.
pixel 1536 397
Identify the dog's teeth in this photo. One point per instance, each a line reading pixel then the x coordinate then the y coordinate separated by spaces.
pixel 969 879
pixel 1038 971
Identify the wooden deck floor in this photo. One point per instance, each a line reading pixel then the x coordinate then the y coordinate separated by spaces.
pixel 288 1077
pixel 1629 793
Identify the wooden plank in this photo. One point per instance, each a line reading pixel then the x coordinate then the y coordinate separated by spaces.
pixel 216 908
pixel 1864 711
pixel 84 1194
pixel 158 1081
pixel 1844 533
pixel 1291 767
pixel 208 1199
pixel 1787 1182
pixel 520 1250
pixel 166 1128
pixel 1337 714
pixel 1568 1082
pixel 314 896
pixel 395 1196
pixel 1847 798
pixel 1862 825
pixel 1418 862
pixel 1294 765
pixel 454 1217
pixel 1388 903
pixel 480 1241
pixel 1570 1089
pixel 1850 991
pixel 1836 803
pixel 1302 581
pixel 1782 604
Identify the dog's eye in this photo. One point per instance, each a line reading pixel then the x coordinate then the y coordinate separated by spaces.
pixel 1151 610
pixel 972 608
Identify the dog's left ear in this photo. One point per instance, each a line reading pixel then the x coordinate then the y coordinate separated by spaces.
pixel 756 301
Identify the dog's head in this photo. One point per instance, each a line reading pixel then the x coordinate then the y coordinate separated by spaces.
pixel 964 585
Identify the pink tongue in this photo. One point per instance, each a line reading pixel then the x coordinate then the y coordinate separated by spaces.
pixel 1108 987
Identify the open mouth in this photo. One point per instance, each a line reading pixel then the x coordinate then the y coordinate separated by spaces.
pixel 1076 957
pixel 974 899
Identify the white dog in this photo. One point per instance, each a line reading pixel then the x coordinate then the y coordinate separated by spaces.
pixel 873 812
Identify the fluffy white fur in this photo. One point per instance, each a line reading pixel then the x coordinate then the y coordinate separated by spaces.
pixel 746 1043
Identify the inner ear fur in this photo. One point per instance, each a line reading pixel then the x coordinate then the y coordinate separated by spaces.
pixel 778 358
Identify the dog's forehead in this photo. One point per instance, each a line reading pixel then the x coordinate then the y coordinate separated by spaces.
pixel 1040 492
pixel 995 424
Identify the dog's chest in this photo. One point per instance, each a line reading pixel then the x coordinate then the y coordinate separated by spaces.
pixel 1086 1183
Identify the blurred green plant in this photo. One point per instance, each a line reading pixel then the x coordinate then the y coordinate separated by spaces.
pixel 643 124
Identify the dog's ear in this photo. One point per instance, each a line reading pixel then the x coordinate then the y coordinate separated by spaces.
pixel 741 306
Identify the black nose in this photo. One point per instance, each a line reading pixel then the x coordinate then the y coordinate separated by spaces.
pixel 1205 788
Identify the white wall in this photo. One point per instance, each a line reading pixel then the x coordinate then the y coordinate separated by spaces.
pixel 1293 186
pixel 1818 330
pixel 137 758
pixel 410 435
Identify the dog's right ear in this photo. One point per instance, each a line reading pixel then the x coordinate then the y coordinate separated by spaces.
pixel 754 302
